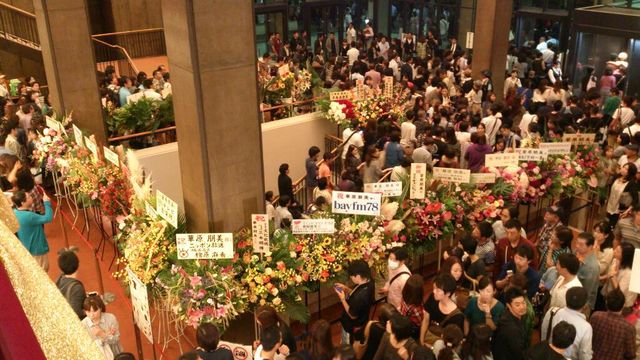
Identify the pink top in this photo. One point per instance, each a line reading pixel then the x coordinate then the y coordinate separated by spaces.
pixel 607 82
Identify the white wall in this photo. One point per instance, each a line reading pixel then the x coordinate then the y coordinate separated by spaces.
pixel 283 141
pixel 288 141
pixel 164 166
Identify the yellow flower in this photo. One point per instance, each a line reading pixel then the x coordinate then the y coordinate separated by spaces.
pixel 262 302
pixel 268 271
pixel 274 291
pixel 276 301
pixel 258 279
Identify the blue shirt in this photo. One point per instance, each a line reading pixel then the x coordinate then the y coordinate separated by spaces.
pixel 533 278
pixel 31 232
pixel 123 93
pixel 393 154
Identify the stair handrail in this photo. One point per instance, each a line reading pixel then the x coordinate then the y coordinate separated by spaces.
pixel 124 51
pixel 13 8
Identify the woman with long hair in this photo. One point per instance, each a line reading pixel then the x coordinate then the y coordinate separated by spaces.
pixel 411 306
pixel 373 333
pixel 267 316
pixel 603 247
pixel 623 194
pixel 619 275
pixel 372 172
pixel 318 345
pixel 478 344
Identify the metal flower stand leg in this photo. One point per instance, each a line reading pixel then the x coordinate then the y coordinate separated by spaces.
pixel 114 238
pixel 170 327
pixel 97 216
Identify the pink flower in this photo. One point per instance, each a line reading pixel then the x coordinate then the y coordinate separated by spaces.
pixel 195 280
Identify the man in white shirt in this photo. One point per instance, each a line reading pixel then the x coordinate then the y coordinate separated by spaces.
pixel 492 124
pixel 576 299
pixel 633 129
pixel 408 131
pixel 542 44
pixel 4 88
pixel 423 155
pixel 353 53
pixel 567 267
pixel 512 82
pixel 355 140
pixel 394 64
pixel 282 211
pixel 527 119
pixel 555 73
pixel 630 155
pixel 383 48
pixel 625 112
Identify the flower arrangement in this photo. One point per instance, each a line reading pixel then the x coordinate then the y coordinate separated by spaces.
pixel 428 222
pixel 301 84
pixel 275 278
pixel 339 112
pixel 203 291
pixel 540 181
pixel 511 183
pixel 367 109
pixel 51 149
pixel 364 240
pixel 114 191
pixel 279 87
pixel 481 205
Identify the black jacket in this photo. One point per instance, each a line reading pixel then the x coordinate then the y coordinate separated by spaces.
pixel 73 290
pixel 509 340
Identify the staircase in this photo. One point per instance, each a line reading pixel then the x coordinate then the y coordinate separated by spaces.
pixel 19 32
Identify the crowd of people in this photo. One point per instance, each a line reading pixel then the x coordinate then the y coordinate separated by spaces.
pixel 500 294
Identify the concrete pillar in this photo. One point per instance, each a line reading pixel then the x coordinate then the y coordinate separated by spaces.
pixel 69 62
pixel 210 46
pixel 491 40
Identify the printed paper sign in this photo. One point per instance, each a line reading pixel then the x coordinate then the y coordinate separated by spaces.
pixel 77 133
pixel 501 160
pixel 205 246
pixel 140 303
pixel 92 147
pixel 529 154
pixel 150 210
pixel 634 285
pixel 356 203
pixel 167 208
pixel 469 42
pixel 53 124
pixel 313 226
pixel 340 95
pixel 111 156
pixel 418 188
pixel 387 189
pixel 260 233
pixel 388 86
pixel 240 352
pixel 483 178
pixel 579 139
pixel 457 176
pixel 556 148
pixel 360 91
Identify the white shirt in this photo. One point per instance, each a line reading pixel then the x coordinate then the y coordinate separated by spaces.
pixel 559 292
pixel 463 137
pixel 624 160
pixel 581 347
pixel 355 140
pixel 357 76
pixel 384 49
pixel 626 116
pixel 394 296
pixel 492 126
pixel 281 213
pixel 151 94
pixel 258 354
pixel 271 211
pixel 633 129
pixel 500 232
pixel 353 54
pixel 3 91
pixel 524 123
pixel 395 66
pixel 407 133
pixel 351 35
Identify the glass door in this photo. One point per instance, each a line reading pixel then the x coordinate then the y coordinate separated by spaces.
pixel 324 18
pixel 267 25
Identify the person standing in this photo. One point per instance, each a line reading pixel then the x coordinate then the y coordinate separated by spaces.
pixel 31 232
pixel 589 273
pixel 551 222
pixel 398 275
pixel 627 230
pixel 285 185
pixel 563 337
pixel 507 246
pixel 613 336
pixel 102 326
pixel 509 341
pixel 356 301
pixel 68 284
pixel 567 267
pixel 208 338
pixel 311 179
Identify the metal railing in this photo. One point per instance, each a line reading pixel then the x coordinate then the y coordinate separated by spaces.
pixel 277 112
pixel 147 138
pixel 139 43
pixel 18 26
pixel 114 55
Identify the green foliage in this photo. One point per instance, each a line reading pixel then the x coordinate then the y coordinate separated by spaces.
pixel 143 115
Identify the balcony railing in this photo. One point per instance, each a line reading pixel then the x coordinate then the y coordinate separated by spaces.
pixel 139 43
pixel 18 26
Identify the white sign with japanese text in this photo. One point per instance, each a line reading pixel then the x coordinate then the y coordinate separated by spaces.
pixel 77 133
pixel 418 188
pixel 556 148
pixel 530 154
pixel 483 178
pixel 457 176
pixel 239 351
pixel 167 208
pixel 579 139
pixel 205 246
pixel 313 226
pixel 150 210
pixel 111 156
pixel 340 95
pixel 388 86
pixel 387 189
pixel 140 304
pixel 501 160
pixel 355 203
pixel 53 124
pixel 260 233
pixel 92 147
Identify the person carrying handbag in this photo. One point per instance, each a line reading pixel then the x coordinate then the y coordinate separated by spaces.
pixel 441 310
